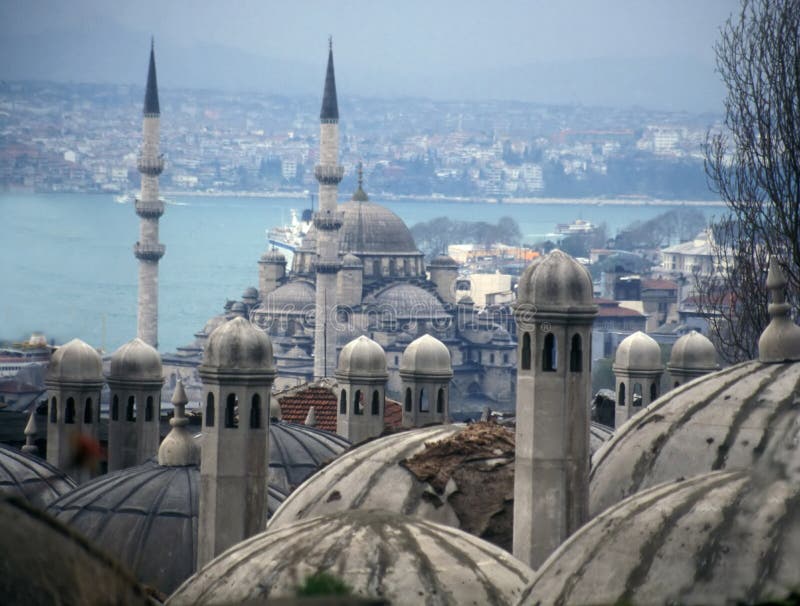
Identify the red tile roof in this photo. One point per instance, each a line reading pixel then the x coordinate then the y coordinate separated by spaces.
pixel 393 414
pixel 659 284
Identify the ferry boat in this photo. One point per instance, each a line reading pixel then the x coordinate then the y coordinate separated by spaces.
pixel 290 237
pixel 579 226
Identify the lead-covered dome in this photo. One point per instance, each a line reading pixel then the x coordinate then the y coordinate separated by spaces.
pixel 238 346
pixel 31 478
pixel 693 352
pixel 403 301
pixel 296 297
pixel 377 554
pixel 362 358
pixel 75 362
pixel 555 280
pixel 427 356
pixel 136 361
pixel 638 352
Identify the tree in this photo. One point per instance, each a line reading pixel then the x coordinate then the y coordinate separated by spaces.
pixel 754 165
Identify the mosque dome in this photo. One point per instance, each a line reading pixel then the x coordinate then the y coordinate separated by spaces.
pixel 144 516
pixel 350 261
pixel 362 358
pixel 31 478
pixel 297 296
pixel 250 293
pixel 378 554
pixel 238 308
pixel 76 362
pixel 555 281
pixel 239 347
pixel 136 361
pixel 638 352
pixel 408 302
pixel 693 352
pixel 445 261
pixel 45 562
pixel 427 356
pixel 501 335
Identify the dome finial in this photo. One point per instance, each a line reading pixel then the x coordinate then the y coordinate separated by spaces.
pixel 179 447
pixel 360 195
pixel 30 433
pixel 780 341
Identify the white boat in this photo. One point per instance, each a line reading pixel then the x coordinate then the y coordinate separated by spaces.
pixel 579 226
pixel 290 237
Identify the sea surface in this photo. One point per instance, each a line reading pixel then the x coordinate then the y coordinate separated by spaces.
pixel 67 267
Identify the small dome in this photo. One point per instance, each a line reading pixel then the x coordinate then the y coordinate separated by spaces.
pixel 780 341
pixel 76 362
pixel 398 558
pixel 427 356
pixel 501 335
pixel 409 302
pixel 296 297
pixel 466 301
pixel 444 261
pixel 273 255
pixel 31 478
pixel 693 351
pixel 250 293
pixel 350 261
pixel 238 346
pixel 136 361
pixel 362 358
pixel 638 352
pixel 555 280
pixel 238 307
pixel 179 446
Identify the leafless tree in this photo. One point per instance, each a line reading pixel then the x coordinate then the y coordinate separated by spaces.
pixel 754 165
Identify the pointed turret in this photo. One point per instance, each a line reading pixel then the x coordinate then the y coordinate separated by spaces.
pixel 151 93
pixel 330 106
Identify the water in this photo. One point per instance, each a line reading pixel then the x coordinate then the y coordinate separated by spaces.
pixel 67 267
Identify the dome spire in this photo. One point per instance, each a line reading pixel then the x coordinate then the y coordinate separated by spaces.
pixel 360 195
pixel 151 93
pixel 311 417
pixel 30 433
pixel 780 341
pixel 330 106
pixel 179 447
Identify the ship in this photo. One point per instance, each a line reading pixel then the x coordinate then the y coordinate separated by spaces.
pixel 579 226
pixel 290 237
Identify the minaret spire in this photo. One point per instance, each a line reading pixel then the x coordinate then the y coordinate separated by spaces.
pixel 151 92
pixel 330 105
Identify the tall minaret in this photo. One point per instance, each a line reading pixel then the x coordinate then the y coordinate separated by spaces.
pixel 149 208
pixel 327 221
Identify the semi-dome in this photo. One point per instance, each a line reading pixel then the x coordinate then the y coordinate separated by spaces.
pixel 297 296
pixel 403 301
pixel 146 517
pixel 638 352
pixel 239 347
pixel 555 281
pixel 362 358
pixel 427 356
pixel 136 361
pixel 693 352
pixel 31 478
pixel 401 559
pixel 75 362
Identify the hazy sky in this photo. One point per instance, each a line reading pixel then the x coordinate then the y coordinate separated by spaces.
pixel 470 48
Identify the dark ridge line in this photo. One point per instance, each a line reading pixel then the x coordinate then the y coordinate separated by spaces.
pixel 783 407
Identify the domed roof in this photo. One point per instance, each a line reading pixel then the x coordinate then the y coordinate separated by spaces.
pixel 144 516
pixel 466 301
pixel 250 293
pixel 75 362
pixel 780 341
pixel 443 261
pixel 722 420
pixel 239 347
pixel 238 307
pixel 179 446
pixel 377 554
pixel 405 301
pixel 350 260
pixel 501 335
pixel 136 361
pixel 297 296
pixel 31 478
pixel 362 358
pixel 427 356
pixel 45 562
pixel 555 280
pixel 693 351
pixel 638 352
pixel 273 255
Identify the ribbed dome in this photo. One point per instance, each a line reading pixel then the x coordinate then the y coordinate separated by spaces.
pixel 238 346
pixel 75 362
pixel 638 352
pixel 427 356
pixel 297 296
pixel 144 516
pixel 402 559
pixel 136 361
pixel 723 420
pixel 693 352
pixel 31 478
pixel 405 301
pixel 362 358
pixel 555 280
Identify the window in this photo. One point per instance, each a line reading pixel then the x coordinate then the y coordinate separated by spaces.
pixel 424 405
pixel 621 397
pixel 526 351
pixel 576 354
pixel 491 358
pixel 358 403
pixel 255 412
pixel 376 402
pixel 636 396
pixel 87 411
pixel 130 410
pixel 549 353
pixel 396 360
pixel 53 410
pixel 230 411
pixel 408 400
pixel 210 410
pixel 343 403
pixel 653 392
pixel 115 408
pixel 505 358
pixel 69 411
pixel 440 401
pixel 148 409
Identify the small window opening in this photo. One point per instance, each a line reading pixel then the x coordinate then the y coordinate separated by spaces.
pixel 130 410
pixel 549 353
pixel 636 396
pixel 440 401
pixel 526 351
pixel 424 405
pixel 87 411
pixel 621 394
pixel 231 407
pixel 115 408
pixel 408 400
pixel 255 412
pixel 343 402
pixel 69 411
pixel 358 403
pixel 53 410
pixel 376 403
pixel 148 409
pixel 210 410
pixel 576 355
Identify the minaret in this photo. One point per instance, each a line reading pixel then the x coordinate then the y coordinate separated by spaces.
pixel 149 208
pixel 327 220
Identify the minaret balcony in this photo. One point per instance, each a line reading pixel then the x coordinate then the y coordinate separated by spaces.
pixel 150 165
pixel 148 252
pixel 149 210
pixel 323 267
pixel 328 220
pixel 328 175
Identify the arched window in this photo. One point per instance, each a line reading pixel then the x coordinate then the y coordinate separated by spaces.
pixel 549 353
pixel 343 402
pixel 130 410
pixel 505 358
pixel 526 351
pixel 392 267
pixel 115 408
pixel 148 409
pixel 636 396
pixel 69 411
pixel 376 403
pixel 424 405
pixel 53 410
pixel 408 400
pixel 376 268
pixel 255 412
pixel 210 410
pixel 621 397
pixel 440 401
pixel 230 410
pixel 653 392
pixel 358 403
pixel 88 409
pixel 491 358
pixel 576 354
